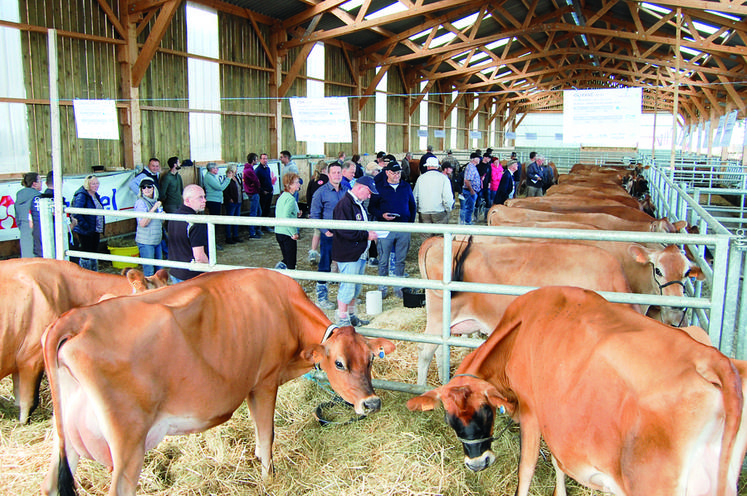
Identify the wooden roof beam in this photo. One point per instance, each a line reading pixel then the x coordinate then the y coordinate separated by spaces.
pixel 154 40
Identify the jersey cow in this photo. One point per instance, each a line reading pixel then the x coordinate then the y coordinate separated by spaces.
pixel 625 404
pixel 482 260
pixel 37 291
pixel 499 215
pixel 126 372
pixel 551 204
pixel 649 268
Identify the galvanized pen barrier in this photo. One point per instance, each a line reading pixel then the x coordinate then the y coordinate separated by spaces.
pixel 711 306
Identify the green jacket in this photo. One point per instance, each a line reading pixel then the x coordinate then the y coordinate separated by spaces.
pixel 286 208
pixel 171 192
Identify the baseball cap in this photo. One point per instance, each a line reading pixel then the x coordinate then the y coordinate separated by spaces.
pixel 368 182
pixel 431 162
pixel 393 166
pixel 147 183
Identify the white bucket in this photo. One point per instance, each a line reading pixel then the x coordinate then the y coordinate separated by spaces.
pixel 373 302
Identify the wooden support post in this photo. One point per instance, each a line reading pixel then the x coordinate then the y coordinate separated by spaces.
pixel 130 117
pixel 356 124
pixel 276 120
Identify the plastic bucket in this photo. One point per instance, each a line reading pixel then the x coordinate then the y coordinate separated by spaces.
pixel 124 251
pixel 373 302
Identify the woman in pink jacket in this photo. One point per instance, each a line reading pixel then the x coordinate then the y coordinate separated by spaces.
pixel 495 178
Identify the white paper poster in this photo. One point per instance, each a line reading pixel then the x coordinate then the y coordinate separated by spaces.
pixel 96 119
pixel 321 119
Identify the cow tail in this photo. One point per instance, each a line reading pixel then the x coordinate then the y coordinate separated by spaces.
pixel 51 345
pixel 731 393
pixel 65 479
pixel 457 270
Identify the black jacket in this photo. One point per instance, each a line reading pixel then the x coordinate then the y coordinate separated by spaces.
pixel 347 245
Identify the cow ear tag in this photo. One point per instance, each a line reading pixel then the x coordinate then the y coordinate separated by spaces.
pixel 381 352
pixel 501 409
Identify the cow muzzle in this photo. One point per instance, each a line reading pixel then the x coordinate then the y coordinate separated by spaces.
pixel 368 405
pixel 481 462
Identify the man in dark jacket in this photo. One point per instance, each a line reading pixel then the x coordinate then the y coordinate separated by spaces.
pixel 264 174
pixel 394 203
pixel 350 248
pixel 188 242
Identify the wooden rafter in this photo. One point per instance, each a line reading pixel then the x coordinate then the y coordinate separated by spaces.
pixel 295 69
pixel 154 39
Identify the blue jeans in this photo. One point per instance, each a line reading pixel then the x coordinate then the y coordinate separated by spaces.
pixel 468 206
pixel 232 209
pixel 253 211
pixel 325 255
pixel 399 243
pixel 150 251
pixel 349 291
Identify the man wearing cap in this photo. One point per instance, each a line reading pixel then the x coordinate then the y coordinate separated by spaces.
pixel 152 171
pixel 472 186
pixel 433 195
pixel 394 203
pixel 350 247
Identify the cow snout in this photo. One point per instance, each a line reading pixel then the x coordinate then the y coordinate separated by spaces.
pixel 673 316
pixel 371 404
pixel 481 462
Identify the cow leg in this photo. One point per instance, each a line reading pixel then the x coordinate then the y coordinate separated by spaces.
pixel 128 454
pixel 424 361
pixel 51 485
pixel 26 389
pixel 261 404
pixel 559 478
pixel 530 444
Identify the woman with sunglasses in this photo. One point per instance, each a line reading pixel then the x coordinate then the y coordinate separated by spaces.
pixel 149 231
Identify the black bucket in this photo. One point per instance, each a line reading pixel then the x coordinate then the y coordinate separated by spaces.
pixel 413 298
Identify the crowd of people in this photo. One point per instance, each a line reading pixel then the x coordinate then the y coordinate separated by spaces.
pixel 386 190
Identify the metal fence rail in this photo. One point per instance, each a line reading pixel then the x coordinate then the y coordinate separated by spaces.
pixel 724 274
pixel 711 305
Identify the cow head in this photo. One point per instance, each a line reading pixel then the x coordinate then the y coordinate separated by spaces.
pixel 140 283
pixel 470 405
pixel 669 269
pixel 346 357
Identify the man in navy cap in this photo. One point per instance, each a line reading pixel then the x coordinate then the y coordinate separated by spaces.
pixel 350 247
pixel 394 203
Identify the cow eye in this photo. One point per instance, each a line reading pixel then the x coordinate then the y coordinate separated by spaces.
pixel 657 270
pixel 339 365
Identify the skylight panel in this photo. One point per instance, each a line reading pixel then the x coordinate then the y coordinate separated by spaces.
pixel 487 71
pixel 465 21
pixel 421 34
pixel 497 43
pixel 394 8
pixel 690 51
pixel 351 5
pixel 655 8
pixel 442 40
pixel 724 15
pixel 478 57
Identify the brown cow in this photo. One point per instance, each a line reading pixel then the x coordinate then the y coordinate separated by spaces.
pixel 499 215
pixel 594 205
pixel 512 263
pixel 128 371
pixel 649 268
pixel 625 405
pixel 37 291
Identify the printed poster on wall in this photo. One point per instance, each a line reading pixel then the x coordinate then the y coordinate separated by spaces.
pixel 321 119
pixel 96 119
pixel 719 131
pixel 731 121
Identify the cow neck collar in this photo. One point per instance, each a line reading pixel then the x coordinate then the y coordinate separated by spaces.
pixel 468 375
pixel 330 329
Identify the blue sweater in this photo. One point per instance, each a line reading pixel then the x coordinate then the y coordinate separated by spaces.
pixel 393 201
